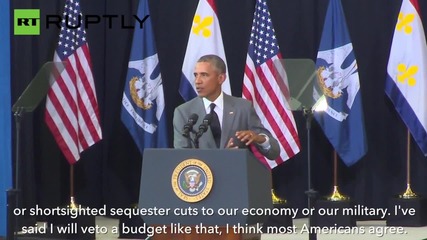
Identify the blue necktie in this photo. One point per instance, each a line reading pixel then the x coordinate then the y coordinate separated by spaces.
pixel 215 126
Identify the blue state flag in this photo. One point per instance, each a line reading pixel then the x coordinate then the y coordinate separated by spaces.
pixel 338 80
pixel 143 103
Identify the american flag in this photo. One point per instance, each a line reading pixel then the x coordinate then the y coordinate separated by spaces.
pixel 71 105
pixel 262 85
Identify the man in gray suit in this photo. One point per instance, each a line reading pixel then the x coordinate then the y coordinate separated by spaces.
pixel 237 124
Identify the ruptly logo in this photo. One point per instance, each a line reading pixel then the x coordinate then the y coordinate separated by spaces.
pixel 26 21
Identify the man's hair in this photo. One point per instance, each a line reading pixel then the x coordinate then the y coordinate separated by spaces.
pixel 216 61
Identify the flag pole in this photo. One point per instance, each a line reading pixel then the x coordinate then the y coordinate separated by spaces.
pixel 73 204
pixel 336 195
pixel 408 193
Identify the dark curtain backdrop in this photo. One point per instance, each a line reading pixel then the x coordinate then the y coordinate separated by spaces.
pixel 109 172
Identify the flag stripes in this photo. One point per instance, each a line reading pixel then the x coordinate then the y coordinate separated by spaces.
pixel 72 113
pixel 267 93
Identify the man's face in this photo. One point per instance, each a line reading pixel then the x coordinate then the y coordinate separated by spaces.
pixel 208 80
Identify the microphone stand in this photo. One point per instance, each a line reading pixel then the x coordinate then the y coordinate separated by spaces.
pixel 311 193
pixel 196 141
pixel 202 129
pixel 191 142
pixel 13 194
pixel 196 138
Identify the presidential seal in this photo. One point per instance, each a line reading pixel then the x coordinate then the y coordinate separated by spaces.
pixel 192 180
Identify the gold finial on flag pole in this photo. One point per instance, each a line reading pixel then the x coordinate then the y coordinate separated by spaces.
pixel 336 195
pixel 408 193
pixel 277 199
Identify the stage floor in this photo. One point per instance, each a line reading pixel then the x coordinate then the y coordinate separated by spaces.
pixel 365 229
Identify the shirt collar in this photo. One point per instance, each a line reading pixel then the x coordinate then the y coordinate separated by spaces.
pixel 219 102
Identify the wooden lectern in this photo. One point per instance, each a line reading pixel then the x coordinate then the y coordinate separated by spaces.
pixel 203 191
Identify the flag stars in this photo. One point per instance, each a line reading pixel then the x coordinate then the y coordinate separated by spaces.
pixel 263 41
pixel 72 33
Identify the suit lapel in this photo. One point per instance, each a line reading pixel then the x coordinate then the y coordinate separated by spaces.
pixel 228 117
pixel 207 136
pixel 200 110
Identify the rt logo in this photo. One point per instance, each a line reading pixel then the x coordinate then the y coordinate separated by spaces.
pixel 26 21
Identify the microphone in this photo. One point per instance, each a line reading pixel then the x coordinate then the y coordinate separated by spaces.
pixel 205 124
pixel 188 127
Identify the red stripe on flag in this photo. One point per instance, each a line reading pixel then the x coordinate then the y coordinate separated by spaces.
pixel 60 111
pixel 270 118
pixel 250 75
pixel 80 104
pixel 83 106
pixel 283 110
pixel 88 87
pixel 213 5
pixel 63 146
pixel 416 6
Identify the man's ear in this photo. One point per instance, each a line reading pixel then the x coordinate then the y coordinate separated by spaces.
pixel 222 77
